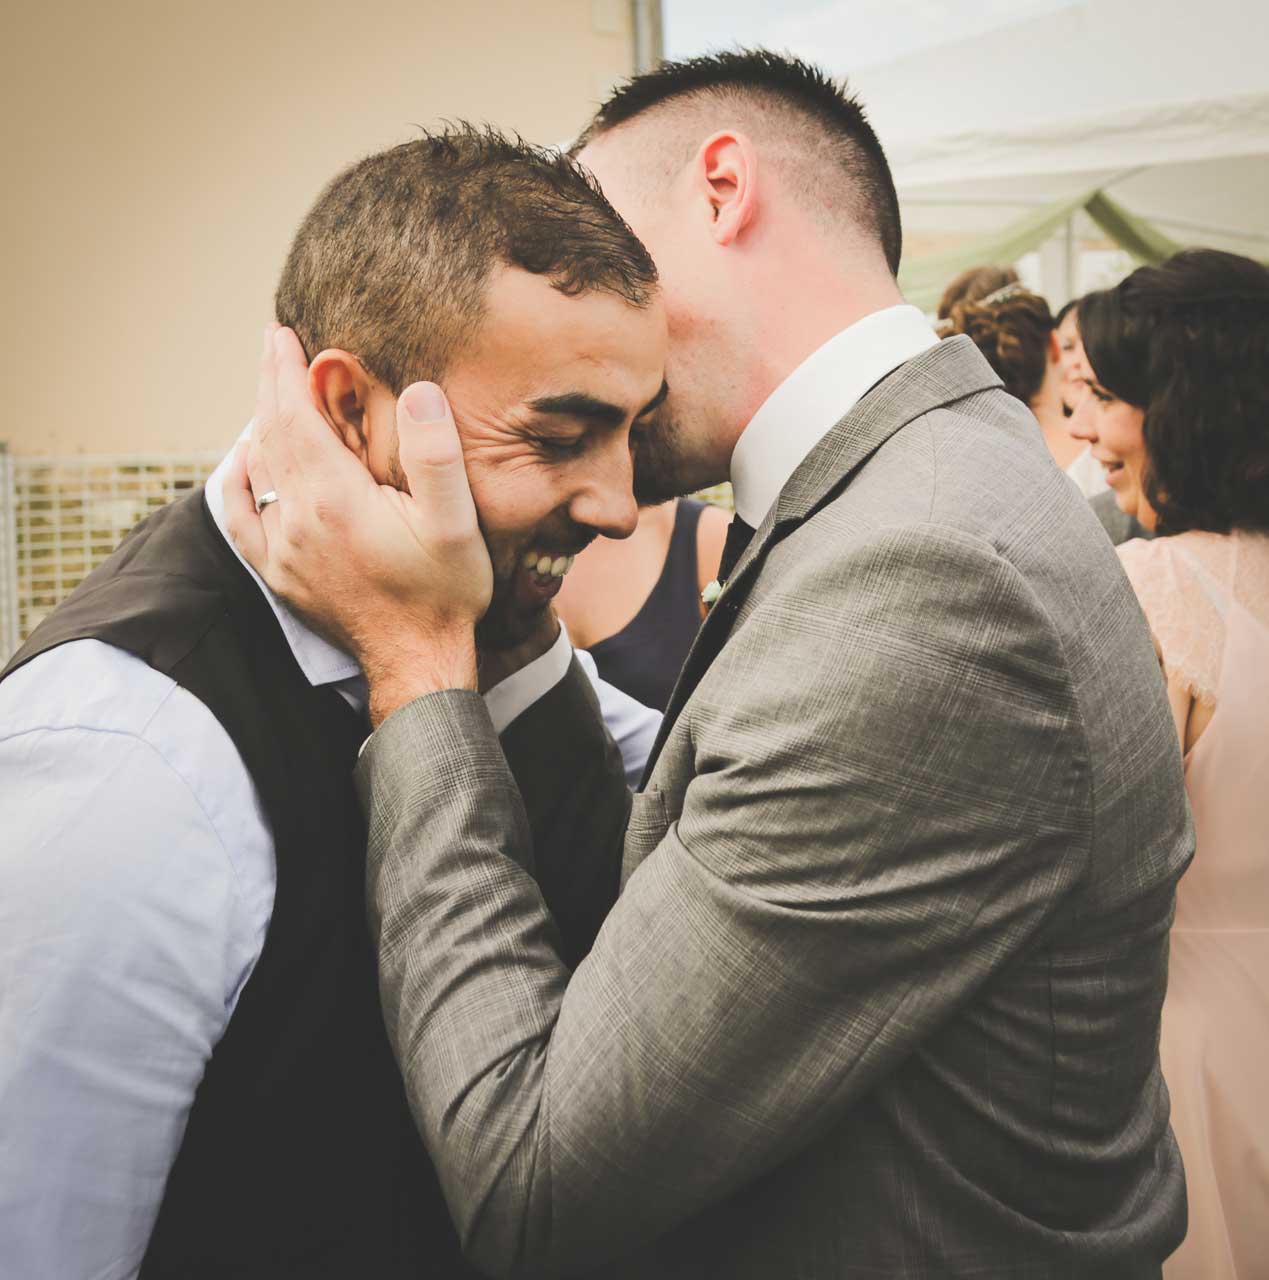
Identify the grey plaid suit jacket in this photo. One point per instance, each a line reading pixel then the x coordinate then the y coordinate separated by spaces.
pixel 880 995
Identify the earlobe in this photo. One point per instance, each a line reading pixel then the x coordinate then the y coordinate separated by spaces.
pixel 340 386
pixel 727 173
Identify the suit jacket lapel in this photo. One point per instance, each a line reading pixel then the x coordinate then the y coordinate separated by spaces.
pixel 952 369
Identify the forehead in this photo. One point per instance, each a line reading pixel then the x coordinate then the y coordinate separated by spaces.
pixel 535 341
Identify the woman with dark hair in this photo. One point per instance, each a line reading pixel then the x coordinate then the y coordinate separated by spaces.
pixel 1071 346
pixel 1178 415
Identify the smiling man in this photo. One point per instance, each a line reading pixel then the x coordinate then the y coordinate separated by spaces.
pixel 196 1077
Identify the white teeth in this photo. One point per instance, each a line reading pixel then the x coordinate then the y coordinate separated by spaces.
pixel 547 566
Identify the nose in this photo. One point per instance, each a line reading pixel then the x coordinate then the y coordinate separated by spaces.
pixel 1083 424
pixel 605 501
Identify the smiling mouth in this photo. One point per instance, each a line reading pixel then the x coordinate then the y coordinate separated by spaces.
pixel 544 568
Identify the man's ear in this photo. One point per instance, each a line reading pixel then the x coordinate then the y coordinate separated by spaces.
pixel 727 175
pixel 340 388
pixel 1055 347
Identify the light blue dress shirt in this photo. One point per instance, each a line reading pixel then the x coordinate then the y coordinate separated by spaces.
pixel 136 885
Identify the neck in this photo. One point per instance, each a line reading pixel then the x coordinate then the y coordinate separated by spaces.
pixel 796 324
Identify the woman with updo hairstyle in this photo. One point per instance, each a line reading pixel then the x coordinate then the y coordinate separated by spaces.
pixel 1016 332
pixel 974 283
pixel 1178 415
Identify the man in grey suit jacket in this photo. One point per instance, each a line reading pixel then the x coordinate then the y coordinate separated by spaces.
pixel 880 995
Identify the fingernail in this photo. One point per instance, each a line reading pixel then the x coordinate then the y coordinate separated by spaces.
pixel 425 402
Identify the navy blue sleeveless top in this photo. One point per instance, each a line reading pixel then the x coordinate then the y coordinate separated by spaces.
pixel 643 659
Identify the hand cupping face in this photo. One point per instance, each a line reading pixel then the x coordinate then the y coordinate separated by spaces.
pixel 398 577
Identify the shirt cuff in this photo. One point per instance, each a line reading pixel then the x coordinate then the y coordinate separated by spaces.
pixel 513 696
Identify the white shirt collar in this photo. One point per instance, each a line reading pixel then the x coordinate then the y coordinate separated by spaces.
pixel 321 662
pixel 825 387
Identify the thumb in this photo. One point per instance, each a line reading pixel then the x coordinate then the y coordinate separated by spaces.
pixel 432 457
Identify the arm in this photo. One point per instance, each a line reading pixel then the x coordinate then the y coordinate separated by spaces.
pixel 846 881
pixel 124 940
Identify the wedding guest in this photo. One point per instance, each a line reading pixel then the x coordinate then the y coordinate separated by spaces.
pixel 1084 469
pixel 1068 332
pixel 635 604
pixel 1016 332
pixel 1178 415
pixel 974 283
pixel 195 1076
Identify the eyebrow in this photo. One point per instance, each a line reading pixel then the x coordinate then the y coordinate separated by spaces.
pixel 577 404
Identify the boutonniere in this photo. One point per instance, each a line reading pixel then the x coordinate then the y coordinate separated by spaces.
pixel 711 593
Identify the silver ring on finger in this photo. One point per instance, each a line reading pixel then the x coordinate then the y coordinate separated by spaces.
pixel 264 499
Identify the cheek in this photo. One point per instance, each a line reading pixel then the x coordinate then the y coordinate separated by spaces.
pixel 1128 440
pixel 512 498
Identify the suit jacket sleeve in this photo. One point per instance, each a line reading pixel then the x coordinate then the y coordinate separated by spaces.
pixel 571 776
pixel 889 799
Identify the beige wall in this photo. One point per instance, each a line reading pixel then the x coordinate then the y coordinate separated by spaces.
pixel 160 155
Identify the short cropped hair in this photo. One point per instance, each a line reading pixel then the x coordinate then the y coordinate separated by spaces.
pixel 822 115
pixel 1012 328
pixel 393 262
pixel 1188 343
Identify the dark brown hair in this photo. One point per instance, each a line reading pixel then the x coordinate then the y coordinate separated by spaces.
pixel 1188 343
pixel 393 261
pixel 819 103
pixel 974 283
pixel 1013 332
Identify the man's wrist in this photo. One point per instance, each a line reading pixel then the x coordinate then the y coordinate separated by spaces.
pixel 399 673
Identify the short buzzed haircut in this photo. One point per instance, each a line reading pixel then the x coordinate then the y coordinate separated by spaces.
pixel 393 262
pixel 821 120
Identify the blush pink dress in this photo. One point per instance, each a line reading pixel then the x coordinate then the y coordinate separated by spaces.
pixel 1206 597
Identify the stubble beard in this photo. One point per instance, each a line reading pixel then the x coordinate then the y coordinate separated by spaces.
pixel 664 468
pixel 503 627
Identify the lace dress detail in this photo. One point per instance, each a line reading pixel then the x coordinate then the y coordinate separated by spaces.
pixel 1185 584
pixel 1207 598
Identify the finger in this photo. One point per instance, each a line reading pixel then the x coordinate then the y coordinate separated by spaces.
pixel 241 520
pixel 266 397
pixel 260 477
pixel 283 406
pixel 432 458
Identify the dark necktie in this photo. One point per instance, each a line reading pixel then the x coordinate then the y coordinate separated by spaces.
pixel 738 537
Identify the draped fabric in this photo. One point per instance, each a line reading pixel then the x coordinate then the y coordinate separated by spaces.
pixel 924 278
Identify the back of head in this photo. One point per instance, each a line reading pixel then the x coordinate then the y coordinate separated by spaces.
pixel 1188 343
pixel 1012 327
pixel 972 284
pixel 807 125
pixel 392 262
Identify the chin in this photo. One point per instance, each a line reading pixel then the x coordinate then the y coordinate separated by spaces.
pixel 1127 503
pixel 503 628
pixel 665 468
